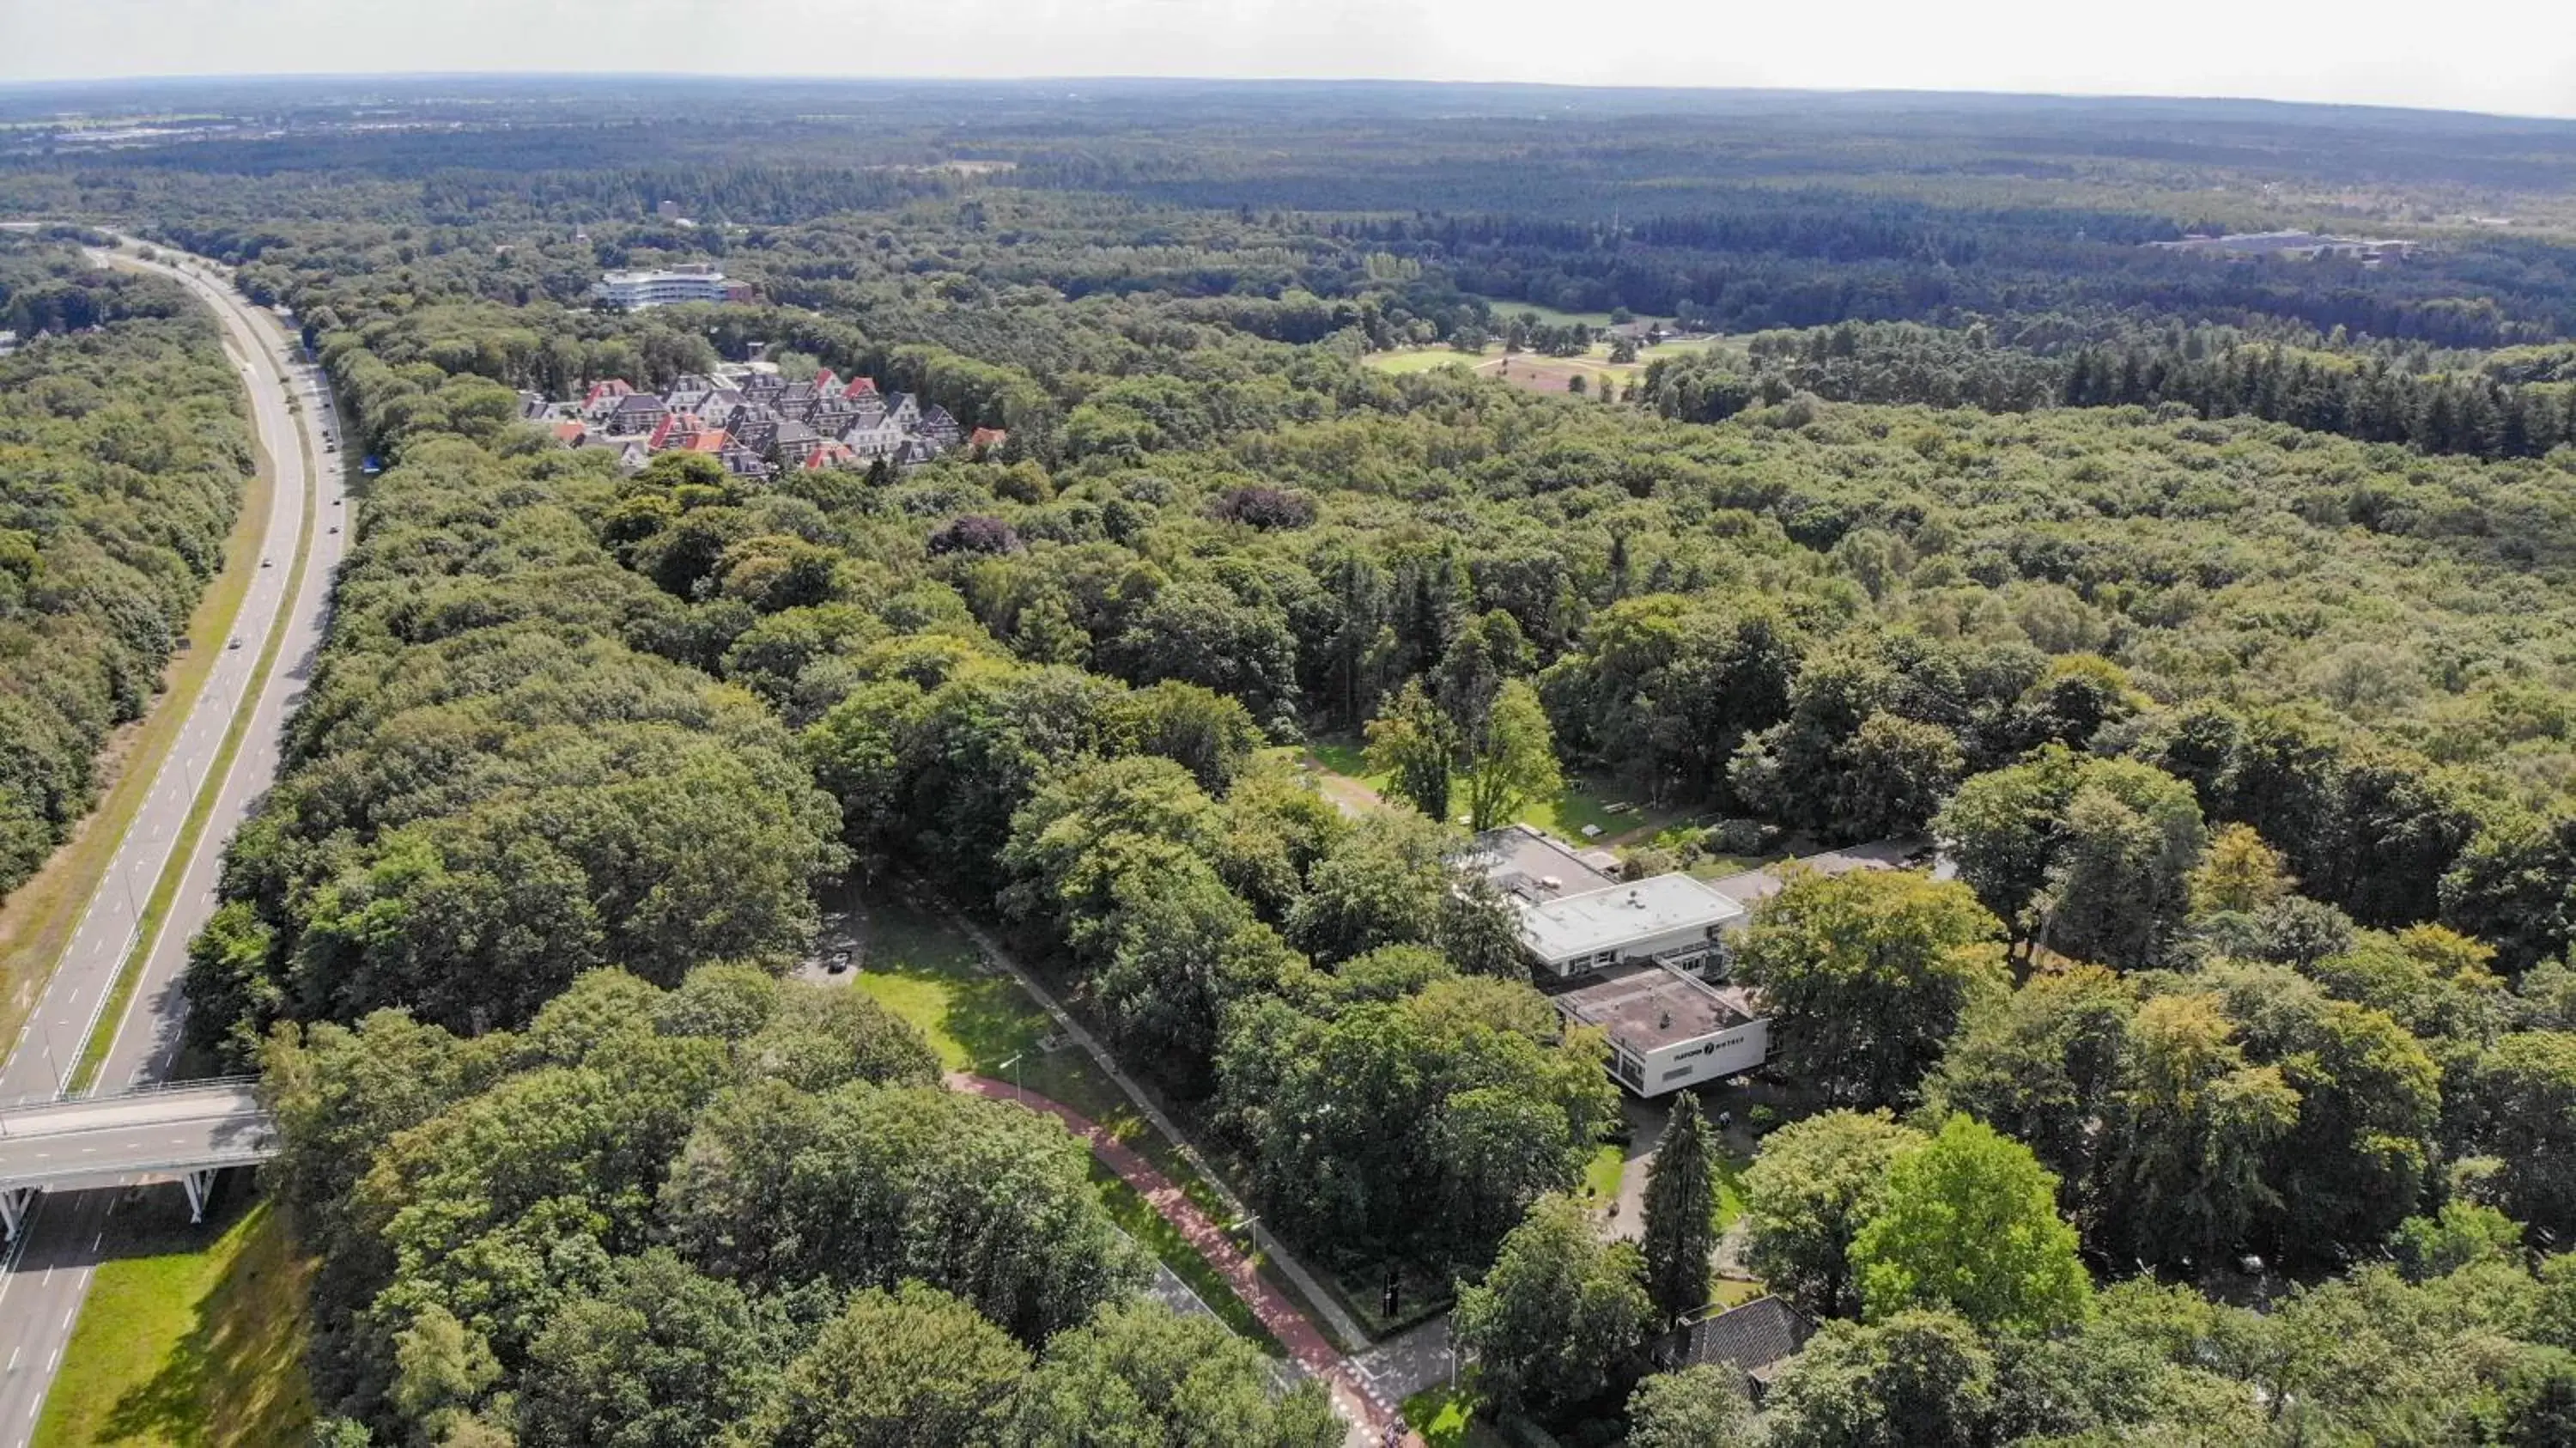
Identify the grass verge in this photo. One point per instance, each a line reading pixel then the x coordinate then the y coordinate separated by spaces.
pixel 188 1342
pixel 981 1021
pixel 37 922
pixel 1137 1216
pixel 1446 1418
pixel 129 972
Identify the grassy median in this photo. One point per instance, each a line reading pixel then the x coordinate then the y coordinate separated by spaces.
pixel 156 910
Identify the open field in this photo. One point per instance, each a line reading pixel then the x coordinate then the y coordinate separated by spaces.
pixel 1533 372
pixel 195 1340
pixel 1505 309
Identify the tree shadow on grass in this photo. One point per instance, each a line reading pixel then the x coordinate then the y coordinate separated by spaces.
pixel 237 1376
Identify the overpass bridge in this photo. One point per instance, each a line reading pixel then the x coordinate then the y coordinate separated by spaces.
pixel 186 1132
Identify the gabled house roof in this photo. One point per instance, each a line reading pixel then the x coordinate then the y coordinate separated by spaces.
pixel 1753 1339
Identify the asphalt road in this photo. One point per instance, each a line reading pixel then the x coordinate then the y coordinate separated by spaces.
pixel 101 1139
pixel 48 1274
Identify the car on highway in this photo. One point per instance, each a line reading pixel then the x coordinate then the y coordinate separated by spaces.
pixel 267 562
pixel 236 643
pixel 335 527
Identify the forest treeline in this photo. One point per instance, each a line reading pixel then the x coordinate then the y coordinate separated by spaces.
pixel 2516 403
pixel 122 459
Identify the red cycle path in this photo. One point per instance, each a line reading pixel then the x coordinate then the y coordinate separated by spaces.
pixel 1312 1350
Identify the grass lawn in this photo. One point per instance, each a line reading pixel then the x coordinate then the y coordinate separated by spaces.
pixel 920 968
pixel 1601 1174
pixel 1446 1419
pixel 1582 801
pixel 1727 1171
pixel 1586 802
pixel 1728 1292
pixel 194 1340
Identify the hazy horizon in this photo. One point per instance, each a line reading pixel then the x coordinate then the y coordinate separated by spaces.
pixel 2371 52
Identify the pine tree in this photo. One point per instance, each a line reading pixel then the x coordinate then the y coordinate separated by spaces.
pixel 1680 1218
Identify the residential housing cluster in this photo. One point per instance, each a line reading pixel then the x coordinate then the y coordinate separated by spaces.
pixel 757 423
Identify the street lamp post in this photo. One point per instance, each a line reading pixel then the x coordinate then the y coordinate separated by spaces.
pixel 1014 1065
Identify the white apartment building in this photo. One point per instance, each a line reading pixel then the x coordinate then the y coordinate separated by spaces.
pixel 1629 958
pixel 635 290
pixel 1668 1029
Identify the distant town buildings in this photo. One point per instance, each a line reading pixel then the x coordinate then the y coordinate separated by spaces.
pixel 693 282
pixel 757 423
pixel 2301 245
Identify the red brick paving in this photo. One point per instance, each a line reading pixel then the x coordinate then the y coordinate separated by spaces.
pixel 1304 1341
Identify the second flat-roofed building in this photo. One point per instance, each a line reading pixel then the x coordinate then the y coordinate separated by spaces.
pixel 1667 920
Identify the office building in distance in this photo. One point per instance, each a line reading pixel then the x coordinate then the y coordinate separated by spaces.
pixel 633 291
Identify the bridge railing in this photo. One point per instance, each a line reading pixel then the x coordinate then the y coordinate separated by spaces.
pixel 149 1088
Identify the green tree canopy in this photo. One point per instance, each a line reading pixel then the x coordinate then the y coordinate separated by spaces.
pixel 1968 1223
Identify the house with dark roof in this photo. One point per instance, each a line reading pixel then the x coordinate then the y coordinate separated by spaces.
pixel 635 415
pixel 792 442
pixel 1754 1339
pixel 940 427
pixel 873 438
pixel 756 427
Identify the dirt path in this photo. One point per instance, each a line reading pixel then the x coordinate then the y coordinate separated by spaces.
pixel 1305 1342
pixel 1354 797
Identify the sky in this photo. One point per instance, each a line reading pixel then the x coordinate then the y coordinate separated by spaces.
pixel 2509 56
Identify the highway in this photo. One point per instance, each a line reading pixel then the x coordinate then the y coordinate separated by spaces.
pixel 47 1274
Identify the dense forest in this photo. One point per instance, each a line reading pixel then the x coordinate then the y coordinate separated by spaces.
pixel 122 457
pixel 2215 619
